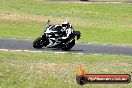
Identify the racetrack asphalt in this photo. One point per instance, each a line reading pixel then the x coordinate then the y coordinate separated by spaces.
pixel 21 44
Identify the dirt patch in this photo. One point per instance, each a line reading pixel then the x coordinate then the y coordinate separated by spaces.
pixel 38 18
pixel 22 16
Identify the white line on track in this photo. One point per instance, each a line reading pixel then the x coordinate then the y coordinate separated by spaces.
pixel 60 52
pixel 20 50
pixel 3 49
pixel 15 50
pixel 38 51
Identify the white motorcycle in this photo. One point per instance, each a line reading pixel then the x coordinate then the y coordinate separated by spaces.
pixel 52 37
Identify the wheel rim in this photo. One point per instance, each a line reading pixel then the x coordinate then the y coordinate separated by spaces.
pixel 39 43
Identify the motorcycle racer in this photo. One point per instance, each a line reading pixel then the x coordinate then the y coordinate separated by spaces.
pixel 60 36
pixel 66 29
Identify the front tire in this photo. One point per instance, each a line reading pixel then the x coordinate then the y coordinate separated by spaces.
pixel 68 45
pixel 38 43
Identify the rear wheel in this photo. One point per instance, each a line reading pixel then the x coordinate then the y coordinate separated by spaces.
pixel 39 43
pixel 68 45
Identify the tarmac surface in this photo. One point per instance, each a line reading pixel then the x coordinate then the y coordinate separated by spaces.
pixel 87 48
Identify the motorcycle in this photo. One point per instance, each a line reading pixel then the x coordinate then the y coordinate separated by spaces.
pixel 52 38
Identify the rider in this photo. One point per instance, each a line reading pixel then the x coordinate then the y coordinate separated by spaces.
pixel 66 28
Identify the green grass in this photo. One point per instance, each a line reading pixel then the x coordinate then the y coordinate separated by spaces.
pixel 98 22
pixel 50 70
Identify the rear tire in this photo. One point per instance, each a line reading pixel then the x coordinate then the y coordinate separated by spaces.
pixel 68 45
pixel 38 43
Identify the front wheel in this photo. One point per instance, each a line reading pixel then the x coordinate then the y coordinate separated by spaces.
pixel 68 45
pixel 38 43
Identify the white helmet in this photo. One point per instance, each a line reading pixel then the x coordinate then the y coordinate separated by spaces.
pixel 65 23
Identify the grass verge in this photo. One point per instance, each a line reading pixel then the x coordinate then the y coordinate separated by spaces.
pixel 98 22
pixel 50 70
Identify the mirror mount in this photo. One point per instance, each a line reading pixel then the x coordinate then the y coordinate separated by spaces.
pixel 48 22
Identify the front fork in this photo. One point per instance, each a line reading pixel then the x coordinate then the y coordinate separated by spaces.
pixel 45 40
